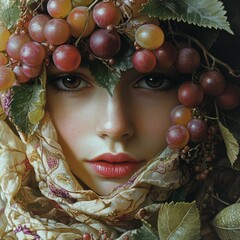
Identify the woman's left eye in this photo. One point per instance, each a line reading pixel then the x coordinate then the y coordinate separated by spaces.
pixel 70 82
pixel 154 81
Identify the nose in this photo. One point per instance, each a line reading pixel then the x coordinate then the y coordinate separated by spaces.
pixel 115 122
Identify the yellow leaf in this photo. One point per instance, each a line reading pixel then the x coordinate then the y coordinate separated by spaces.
pixel 231 143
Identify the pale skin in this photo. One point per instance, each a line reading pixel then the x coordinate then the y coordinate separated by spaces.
pixel 90 122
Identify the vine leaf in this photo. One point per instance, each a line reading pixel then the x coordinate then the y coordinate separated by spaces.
pixel 231 143
pixel 27 106
pixel 179 221
pixel 144 233
pixel 9 13
pixel 227 222
pixel 108 76
pixel 203 13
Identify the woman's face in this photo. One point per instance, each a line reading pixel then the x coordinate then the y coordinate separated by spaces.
pixel 107 138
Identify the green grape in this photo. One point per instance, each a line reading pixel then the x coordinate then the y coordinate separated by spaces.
pixel 149 36
pixel 81 2
pixel 3 59
pixel 4 36
pixel 7 78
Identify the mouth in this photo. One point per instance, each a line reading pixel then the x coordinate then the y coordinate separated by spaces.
pixel 114 166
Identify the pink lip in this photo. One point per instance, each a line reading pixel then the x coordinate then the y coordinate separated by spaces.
pixel 114 166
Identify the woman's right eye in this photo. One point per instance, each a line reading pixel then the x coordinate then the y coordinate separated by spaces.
pixel 69 82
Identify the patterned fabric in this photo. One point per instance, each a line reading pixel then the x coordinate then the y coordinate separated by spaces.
pixel 41 199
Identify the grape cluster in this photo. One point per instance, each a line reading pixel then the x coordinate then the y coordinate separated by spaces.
pixel 186 126
pixel 54 34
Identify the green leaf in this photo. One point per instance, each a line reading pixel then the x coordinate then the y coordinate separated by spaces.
pixel 227 222
pixel 27 106
pixel 179 221
pixel 203 13
pixel 108 76
pixel 144 233
pixel 9 12
pixel 231 143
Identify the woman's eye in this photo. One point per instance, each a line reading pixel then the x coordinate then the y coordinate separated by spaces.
pixel 69 82
pixel 153 81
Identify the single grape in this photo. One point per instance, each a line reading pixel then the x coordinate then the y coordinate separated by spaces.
pixel 81 22
pixel 36 27
pixel 229 98
pixel 149 36
pixel 19 74
pixel 181 115
pixel 3 59
pixel 30 71
pixel 190 94
pixel 166 55
pixel 137 21
pixel 212 82
pixel 106 13
pixel 14 45
pixel 66 58
pixel 198 130
pixel 177 136
pixel 104 44
pixel 7 78
pixel 144 61
pixel 4 36
pixel 32 53
pixel 57 31
pixel 59 8
pixel 188 60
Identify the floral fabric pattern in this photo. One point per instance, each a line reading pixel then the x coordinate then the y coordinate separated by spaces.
pixel 41 199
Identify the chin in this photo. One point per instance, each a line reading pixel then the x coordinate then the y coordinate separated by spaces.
pixel 104 187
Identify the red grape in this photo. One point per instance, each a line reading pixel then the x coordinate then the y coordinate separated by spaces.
pixel 166 55
pixel 59 8
pixel 144 61
pixel 14 45
pixel 188 60
pixel 20 76
pixel 177 136
pixel 212 82
pixel 229 98
pixel 32 53
pixel 57 31
pixel 106 13
pixel 197 130
pixel 30 71
pixel 190 94
pixel 36 27
pixel 105 44
pixel 66 58
pixel 81 22
pixel 181 115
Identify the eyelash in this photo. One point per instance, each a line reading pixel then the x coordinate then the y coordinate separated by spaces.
pixel 171 82
pixel 54 83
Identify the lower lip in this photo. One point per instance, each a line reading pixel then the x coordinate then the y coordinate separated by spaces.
pixel 114 170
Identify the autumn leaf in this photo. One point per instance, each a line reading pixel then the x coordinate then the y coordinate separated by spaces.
pixel 231 143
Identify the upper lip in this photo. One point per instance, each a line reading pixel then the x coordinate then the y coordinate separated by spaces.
pixel 114 158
